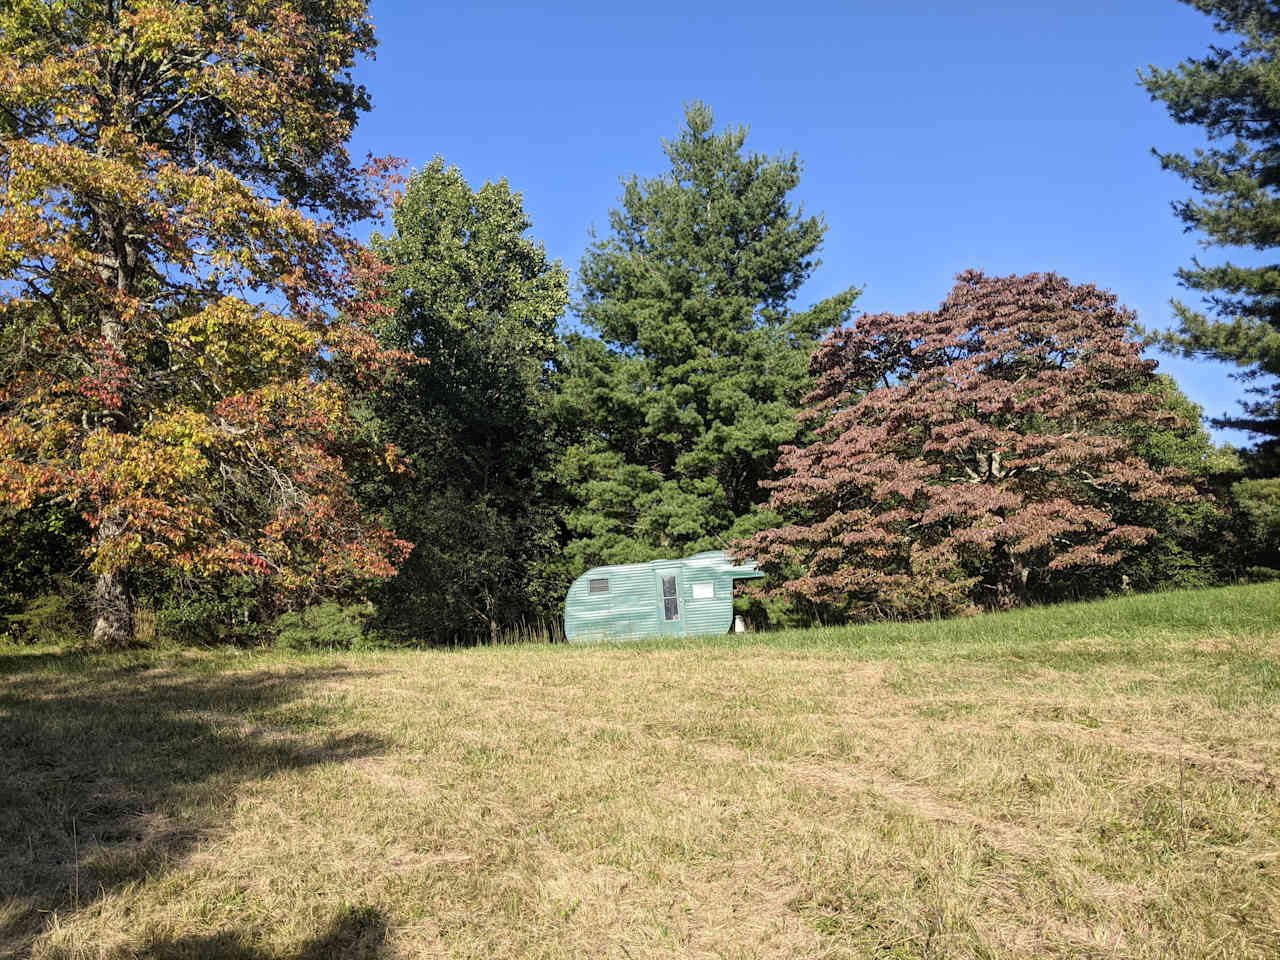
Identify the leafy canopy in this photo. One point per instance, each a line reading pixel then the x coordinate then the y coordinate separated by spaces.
pixel 174 186
pixel 469 289
pixel 970 455
pixel 683 397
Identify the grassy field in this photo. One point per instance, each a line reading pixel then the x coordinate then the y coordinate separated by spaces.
pixel 1096 780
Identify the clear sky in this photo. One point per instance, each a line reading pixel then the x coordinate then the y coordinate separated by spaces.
pixel 935 137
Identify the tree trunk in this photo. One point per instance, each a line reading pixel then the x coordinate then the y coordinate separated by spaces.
pixel 1011 580
pixel 112 610
pixel 112 602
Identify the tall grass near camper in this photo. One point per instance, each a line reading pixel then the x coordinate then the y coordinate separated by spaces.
pixel 1095 780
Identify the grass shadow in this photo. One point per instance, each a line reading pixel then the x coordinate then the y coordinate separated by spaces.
pixel 110 776
pixel 357 933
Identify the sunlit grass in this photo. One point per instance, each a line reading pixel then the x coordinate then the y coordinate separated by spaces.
pixel 1093 780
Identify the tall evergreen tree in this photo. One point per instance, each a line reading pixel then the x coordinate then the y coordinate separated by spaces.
pixel 699 362
pixel 1234 93
pixel 472 293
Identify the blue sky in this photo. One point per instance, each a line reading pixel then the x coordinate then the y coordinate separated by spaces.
pixel 935 137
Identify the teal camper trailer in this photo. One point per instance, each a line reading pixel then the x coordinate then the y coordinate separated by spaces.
pixel 685 597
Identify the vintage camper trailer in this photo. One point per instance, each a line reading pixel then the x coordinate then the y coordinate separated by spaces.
pixel 686 597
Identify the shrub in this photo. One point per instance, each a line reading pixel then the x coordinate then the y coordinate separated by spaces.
pixel 326 626
pixel 236 612
pixel 1258 509
pixel 58 617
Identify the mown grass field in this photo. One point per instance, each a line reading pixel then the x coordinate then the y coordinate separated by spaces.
pixel 1096 780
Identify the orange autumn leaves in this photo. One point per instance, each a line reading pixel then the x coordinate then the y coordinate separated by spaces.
pixel 178 283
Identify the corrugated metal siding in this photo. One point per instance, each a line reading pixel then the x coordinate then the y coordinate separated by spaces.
pixel 633 606
pixel 714 615
pixel 627 610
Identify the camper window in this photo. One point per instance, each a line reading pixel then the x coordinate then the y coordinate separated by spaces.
pixel 670 605
pixel 598 586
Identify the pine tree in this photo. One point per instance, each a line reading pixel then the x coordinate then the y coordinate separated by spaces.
pixel 691 384
pixel 1234 93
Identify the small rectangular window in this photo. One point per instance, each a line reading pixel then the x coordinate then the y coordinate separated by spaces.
pixel 670 605
pixel 598 586
pixel 703 591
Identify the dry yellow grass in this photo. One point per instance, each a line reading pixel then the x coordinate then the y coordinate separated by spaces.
pixel 1082 792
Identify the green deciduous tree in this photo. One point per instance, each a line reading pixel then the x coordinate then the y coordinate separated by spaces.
pixel 471 291
pixel 690 385
pixel 1198 542
pixel 1257 512
pixel 1233 92
pixel 177 280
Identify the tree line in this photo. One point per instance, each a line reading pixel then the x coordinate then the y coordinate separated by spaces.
pixel 219 411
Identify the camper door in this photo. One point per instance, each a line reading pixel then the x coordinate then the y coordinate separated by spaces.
pixel 670 608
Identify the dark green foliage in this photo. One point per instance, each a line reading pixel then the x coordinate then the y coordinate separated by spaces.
pixel 682 399
pixel 239 611
pixel 1234 93
pixel 42 546
pixel 1197 543
pixel 46 594
pixel 479 300
pixel 1257 508
pixel 326 626
pixel 58 617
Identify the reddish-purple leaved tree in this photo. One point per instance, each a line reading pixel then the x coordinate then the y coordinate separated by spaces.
pixel 965 456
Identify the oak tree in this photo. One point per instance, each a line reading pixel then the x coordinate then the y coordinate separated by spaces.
pixel 969 456
pixel 175 193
